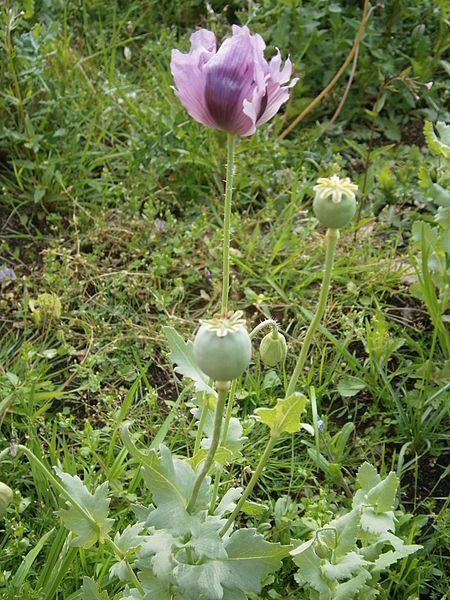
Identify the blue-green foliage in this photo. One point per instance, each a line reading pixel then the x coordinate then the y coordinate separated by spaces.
pixel 344 559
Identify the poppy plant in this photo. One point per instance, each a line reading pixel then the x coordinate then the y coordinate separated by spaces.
pixel 233 88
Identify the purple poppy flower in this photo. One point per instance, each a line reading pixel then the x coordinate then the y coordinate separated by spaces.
pixel 233 88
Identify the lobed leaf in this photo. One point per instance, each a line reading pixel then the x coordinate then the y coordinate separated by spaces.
pixel 88 530
pixel 343 567
pixel 90 591
pixel 284 417
pixel 182 355
pixel 346 528
pixel 383 494
pixel 171 481
pixel 441 147
pixel 348 589
pixel 309 569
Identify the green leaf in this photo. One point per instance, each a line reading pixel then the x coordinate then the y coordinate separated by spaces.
pixel 128 542
pixel 222 457
pixel 350 386
pixel 347 590
pixel 367 477
pixel 240 567
pixel 309 570
pixel 88 530
pixel 206 580
pixel 182 354
pixel 383 494
pixel 171 481
pixel 228 502
pixel 343 567
pixel 346 528
pixel 302 547
pixel 154 588
pixel 233 595
pixel 440 147
pixel 251 558
pixel 339 441
pixel 90 591
pixel 158 552
pixel 373 522
pixel 440 195
pixel 231 447
pixel 24 568
pixel 401 550
pixel 284 416
pixel 254 509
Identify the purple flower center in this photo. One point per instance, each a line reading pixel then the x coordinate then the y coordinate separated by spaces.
pixel 222 91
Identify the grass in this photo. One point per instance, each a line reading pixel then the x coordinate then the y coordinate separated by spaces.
pixel 111 200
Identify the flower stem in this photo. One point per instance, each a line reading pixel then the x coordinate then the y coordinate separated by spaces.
pixel 266 323
pixel 201 422
pixel 222 396
pixel 226 426
pixel 332 238
pixel 229 410
pixel 251 484
pixel 231 144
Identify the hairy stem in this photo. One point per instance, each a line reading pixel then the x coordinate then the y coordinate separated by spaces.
pixel 251 484
pixel 223 394
pixel 231 144
pixel 201 422
pixel 229 409
pixel 266 323
pixel 332 238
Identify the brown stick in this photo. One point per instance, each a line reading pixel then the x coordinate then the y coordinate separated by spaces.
pixel 335 79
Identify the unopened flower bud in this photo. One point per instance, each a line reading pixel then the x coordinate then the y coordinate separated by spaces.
pixel 322 550
pixel 335 203
pixel 273 348
pixel 6 496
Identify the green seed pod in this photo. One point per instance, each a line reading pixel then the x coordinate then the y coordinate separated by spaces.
pixel 335 203
pixel 6 496
pixel 272 349
pixel 222 347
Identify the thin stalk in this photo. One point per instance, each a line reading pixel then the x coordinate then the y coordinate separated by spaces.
pixel 226 426
pixel 332 238
pixel 222 396
pixel 201 423
pixel 266 323
pixel 312 394
pixel 229 409
pixel 215 490
pixel 231 144
pixel 251 484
